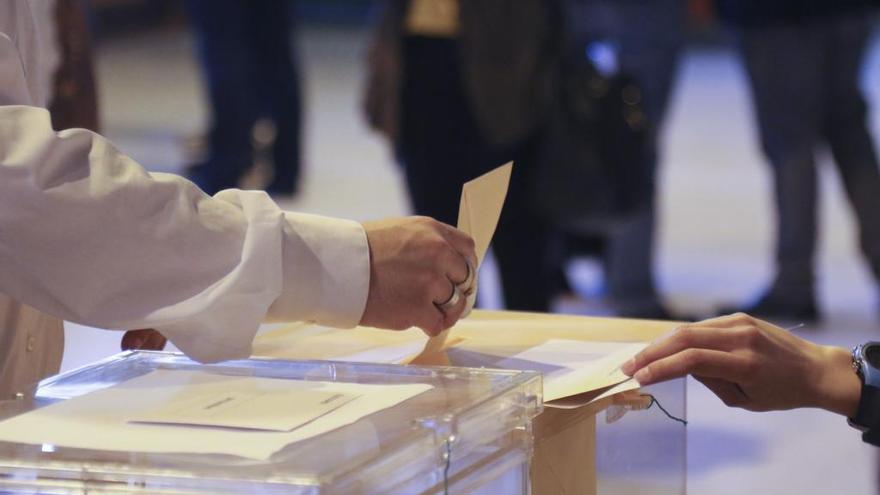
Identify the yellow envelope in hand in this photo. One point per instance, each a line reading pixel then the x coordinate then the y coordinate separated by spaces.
pixel 480 206
pixel 479 210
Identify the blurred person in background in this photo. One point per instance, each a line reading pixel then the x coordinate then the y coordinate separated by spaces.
pixel 460 87
pixel 250 71
pixel 90 236
pixel 803 59
pixel 642 39
pixel 74 104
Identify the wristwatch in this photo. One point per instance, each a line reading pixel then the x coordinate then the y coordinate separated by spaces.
pixel 866 364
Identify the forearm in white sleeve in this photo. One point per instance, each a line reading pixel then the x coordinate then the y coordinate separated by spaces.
pixel 87 235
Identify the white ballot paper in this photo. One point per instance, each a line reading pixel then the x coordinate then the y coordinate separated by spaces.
pixel 571 366
pixel 575 402
pixel 264 404
pixel 203 413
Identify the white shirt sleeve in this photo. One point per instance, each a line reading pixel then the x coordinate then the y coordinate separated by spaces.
pixel 88 235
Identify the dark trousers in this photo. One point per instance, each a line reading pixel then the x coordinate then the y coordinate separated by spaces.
pixel 245 51
pixel 648 35
pixel 805 86
pixel 441 147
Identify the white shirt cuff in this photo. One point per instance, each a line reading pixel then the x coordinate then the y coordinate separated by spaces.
pixel 326 271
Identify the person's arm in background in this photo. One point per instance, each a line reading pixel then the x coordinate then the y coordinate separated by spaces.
pixel 754 365
pixel 89 236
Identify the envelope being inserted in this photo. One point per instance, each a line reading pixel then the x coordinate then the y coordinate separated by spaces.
pixel 480 208
pixel 478 212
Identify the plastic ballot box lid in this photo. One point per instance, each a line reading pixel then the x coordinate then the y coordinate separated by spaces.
pixel 456 430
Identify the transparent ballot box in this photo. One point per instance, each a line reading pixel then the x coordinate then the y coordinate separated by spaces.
pixel 644 450
pixel 466 431
pixel 623 445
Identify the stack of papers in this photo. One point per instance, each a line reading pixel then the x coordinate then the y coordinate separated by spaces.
pixel 572 369
pixel 196 412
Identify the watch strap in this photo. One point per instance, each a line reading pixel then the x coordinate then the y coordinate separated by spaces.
pixel 868 414
pixel 867 417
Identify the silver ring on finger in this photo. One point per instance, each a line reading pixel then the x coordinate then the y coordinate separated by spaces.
pixel 452 301
pixel 467 285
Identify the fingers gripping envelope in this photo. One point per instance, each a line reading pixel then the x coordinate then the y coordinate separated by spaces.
pixel 478 212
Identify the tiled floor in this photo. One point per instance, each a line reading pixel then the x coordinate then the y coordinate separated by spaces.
pixel 715 236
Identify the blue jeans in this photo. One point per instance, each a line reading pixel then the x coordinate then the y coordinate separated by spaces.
pixel 245 51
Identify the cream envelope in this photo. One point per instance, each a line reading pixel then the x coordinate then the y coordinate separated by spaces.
pixel 478 212
pixel 494 340
pixel 480 208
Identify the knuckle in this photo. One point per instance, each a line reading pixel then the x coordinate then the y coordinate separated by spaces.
pixel 440 286
pixel 639 359
pixel 743 318
pixel 436 246
pixel 425 224
pixel 469 242
pixel 751 368
pixel 428 278
pixel 691 358
pixel 426 285
pixel 686 336
pixel 751 336
pixel 433 224
pixel 449 258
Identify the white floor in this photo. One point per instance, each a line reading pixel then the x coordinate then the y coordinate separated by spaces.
pixel 714 245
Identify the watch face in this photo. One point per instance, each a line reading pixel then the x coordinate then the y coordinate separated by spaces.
pixel 872 354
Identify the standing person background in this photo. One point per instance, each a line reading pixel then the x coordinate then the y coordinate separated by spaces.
pixel 804 59
pixel 251 72
pixel 646 37
pixel 460 87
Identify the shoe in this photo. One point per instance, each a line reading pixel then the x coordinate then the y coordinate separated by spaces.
pixel 773 308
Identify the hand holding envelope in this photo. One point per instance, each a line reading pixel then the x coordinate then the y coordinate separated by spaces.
pixel 479 211
pixel 405 291
pixel 415 264
pixel 478 214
